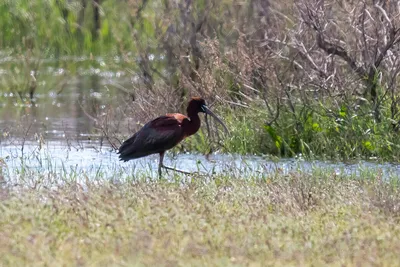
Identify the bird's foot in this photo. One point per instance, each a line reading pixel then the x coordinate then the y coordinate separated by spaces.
pixel 177 170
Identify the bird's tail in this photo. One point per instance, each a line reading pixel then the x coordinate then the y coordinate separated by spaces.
pixel 125 149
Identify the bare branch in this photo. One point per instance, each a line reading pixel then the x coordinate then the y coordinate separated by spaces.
pixel 341 52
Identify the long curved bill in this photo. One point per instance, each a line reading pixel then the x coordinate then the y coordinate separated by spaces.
pixel 209 112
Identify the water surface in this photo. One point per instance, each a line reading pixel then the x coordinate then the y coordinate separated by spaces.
pixel 56 133
pixel 87 159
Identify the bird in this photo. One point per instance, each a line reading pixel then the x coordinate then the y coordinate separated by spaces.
pixel 164 132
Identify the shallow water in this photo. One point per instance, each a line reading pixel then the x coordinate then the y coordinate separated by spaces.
pixel 87 160
pixel 60 137
pixel 61 111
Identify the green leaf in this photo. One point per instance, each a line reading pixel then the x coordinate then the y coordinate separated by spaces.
pixel 315 127
pixel 368 145
pixel 276 138
pixel 105 29
pixel 148 27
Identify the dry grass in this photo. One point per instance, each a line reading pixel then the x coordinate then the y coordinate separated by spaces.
pixel 284 220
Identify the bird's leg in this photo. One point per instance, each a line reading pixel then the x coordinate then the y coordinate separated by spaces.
pixel 161 165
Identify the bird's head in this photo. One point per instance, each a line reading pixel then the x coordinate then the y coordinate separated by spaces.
pixel 197 105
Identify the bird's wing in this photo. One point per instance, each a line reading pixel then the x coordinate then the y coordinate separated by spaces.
pixel 156 136
pixel 128 142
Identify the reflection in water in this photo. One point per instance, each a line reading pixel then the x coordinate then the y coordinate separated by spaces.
pixel 59 116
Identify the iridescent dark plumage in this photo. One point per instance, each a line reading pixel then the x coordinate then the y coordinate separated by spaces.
pixel 165 132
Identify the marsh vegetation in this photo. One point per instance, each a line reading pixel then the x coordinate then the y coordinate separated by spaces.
pixel 295 219
pixel 314 80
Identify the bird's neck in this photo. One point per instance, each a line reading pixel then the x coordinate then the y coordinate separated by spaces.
pixel 193 125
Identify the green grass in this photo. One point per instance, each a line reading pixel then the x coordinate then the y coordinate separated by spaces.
pixel 62 27
pixel 313 134
pixel 295 219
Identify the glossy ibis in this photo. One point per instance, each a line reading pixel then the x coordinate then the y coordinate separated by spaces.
pixel 165 132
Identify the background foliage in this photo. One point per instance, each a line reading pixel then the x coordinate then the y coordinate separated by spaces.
pixel 317 78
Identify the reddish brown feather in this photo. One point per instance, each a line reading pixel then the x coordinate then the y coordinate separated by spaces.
pixel 162 133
